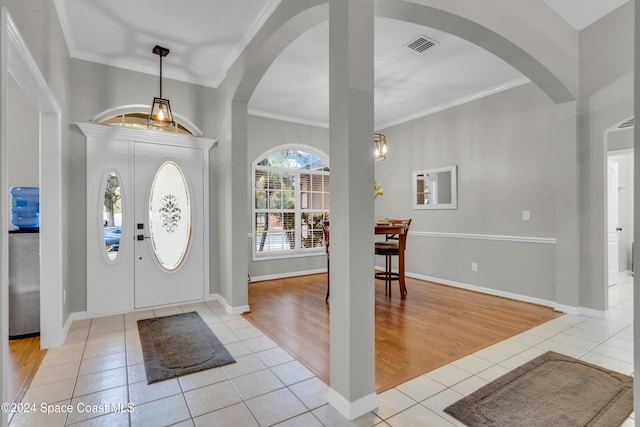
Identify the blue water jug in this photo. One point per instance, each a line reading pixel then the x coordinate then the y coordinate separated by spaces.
pixel 25 207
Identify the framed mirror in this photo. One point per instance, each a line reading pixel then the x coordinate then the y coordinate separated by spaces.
pixel 436 188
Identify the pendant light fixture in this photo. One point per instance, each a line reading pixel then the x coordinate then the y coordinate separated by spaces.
pixel 379 146
pixel 160 114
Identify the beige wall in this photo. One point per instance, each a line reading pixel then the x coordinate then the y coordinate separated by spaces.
pixel 503 147
pixel 24 147
pixel 606 99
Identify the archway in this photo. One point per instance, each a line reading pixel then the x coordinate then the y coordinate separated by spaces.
pixel 291 19
pixel 300 17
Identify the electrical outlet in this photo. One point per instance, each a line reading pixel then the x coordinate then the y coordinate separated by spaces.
pixel 474 266
pixel 526 215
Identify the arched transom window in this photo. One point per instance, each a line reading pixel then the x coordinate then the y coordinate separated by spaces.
pixel 291 197
pixel 140 120
pixel 137 116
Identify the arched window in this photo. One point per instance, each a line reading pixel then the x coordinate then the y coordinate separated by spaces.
pixel 290 198
pixel 140 120
pixel 137 116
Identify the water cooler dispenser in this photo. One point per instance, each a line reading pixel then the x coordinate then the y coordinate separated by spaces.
pixel 24 262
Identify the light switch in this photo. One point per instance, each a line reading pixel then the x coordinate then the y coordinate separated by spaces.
pixel 526 215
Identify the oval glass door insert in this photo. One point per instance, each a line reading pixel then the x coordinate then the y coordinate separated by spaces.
pixel 111 221
pixel 169 216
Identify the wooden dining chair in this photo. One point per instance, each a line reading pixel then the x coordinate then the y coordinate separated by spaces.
pixel 325 233
pixel 389 248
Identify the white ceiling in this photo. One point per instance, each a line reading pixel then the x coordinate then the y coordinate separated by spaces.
pixel 207 36
pixel 204 38
pixel 582 13
pixel 408 84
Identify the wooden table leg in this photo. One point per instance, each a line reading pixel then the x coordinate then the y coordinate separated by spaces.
pixel 403 287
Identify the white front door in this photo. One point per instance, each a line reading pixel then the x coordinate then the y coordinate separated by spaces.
pixel 125 191
pixel 169 225
pixel 612 221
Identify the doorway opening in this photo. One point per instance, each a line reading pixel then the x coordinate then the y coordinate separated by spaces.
pixel 24 281
pixel 619 224
pixel 18 63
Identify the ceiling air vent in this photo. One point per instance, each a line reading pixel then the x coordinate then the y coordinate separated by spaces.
pixel 421 43
pixel 628 124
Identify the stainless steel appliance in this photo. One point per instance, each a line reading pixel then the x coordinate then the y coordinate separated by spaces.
pixel 24 283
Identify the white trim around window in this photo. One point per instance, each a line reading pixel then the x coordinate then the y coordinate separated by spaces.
pixel 301 198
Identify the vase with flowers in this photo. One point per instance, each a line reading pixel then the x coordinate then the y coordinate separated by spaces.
pixel 377 189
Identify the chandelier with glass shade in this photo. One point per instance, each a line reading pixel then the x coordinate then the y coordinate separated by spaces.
pixel 379 146
pixel 160 114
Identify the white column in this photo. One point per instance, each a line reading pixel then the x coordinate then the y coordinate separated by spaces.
pixel 352 385
pixel 233 246
pixel 566 165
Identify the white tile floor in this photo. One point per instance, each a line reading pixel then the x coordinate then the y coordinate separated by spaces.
pixel 100 365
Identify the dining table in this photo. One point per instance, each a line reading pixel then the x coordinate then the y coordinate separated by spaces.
pixel 389 229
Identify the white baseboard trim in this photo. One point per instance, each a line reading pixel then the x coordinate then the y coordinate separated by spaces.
pixel 78 315
pixel 215 297
pixel 582 311
pixel 228 308
pixel 598 314
pixel 236 310
pixel 568 309
pixel 510 295
pixel 355 409
pixel 285 275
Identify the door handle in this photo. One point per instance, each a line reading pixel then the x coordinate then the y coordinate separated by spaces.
pixel 618 229
pixel 141 237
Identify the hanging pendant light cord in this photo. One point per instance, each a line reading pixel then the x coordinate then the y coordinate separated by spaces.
pixel 160 75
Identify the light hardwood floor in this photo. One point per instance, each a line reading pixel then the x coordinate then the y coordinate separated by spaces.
pixel 432 327
pixel 24 359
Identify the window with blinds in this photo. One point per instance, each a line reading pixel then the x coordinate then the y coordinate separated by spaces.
pixel 291 197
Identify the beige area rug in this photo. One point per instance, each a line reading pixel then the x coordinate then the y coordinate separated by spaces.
pixel 551 390
pixel 179 344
